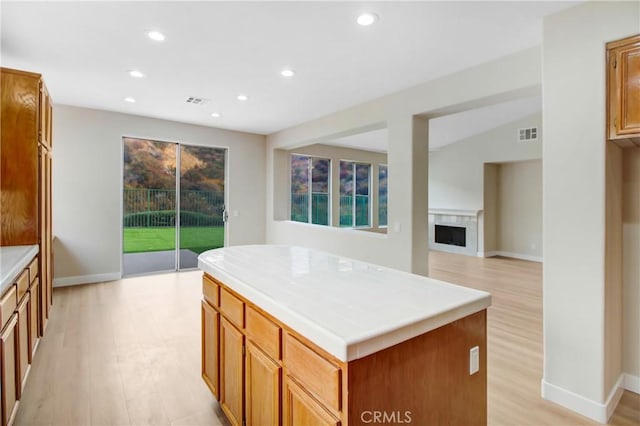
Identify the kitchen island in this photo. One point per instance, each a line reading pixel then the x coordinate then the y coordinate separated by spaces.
pixel 297 336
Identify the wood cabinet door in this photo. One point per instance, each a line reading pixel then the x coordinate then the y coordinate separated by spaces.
pixel 210 347
pixel 231 371
pixel 301 409
pixel 46 273
pixel 48 232
pixel 262 388
pixel 19 95
pixel 624 88
pixel 23 343
pixel 45 116
pixel 34 329
pixel 8 346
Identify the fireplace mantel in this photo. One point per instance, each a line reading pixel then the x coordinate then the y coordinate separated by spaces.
pixel 455 212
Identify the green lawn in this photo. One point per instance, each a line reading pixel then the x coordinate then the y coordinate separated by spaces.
pixel 197 239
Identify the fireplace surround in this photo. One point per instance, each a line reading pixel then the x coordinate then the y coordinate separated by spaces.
pixel 454 231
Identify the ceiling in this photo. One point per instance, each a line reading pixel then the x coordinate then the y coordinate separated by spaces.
pixel 217 50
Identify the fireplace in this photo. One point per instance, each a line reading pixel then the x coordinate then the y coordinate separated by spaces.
pixel 451 235
pixel 454 231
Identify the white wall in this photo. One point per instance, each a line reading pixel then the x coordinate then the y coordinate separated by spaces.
pixel 456 171
pixel 574 201
pixel 457 174
pixel 519 224
pixel 406 245
pixel 631 267
pixel 87 185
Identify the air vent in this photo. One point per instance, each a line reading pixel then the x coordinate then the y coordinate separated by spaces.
pixel 528 134
pixel 192 100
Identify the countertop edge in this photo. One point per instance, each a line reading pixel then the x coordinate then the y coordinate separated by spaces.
pixel 336 346
pixel 16 267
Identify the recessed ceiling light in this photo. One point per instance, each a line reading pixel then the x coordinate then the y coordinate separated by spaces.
pixel 242 97
pixel 215 114
pixel 287 72
pixel 156 35
pixel 129 99
pixel 136 74
pixel 367 19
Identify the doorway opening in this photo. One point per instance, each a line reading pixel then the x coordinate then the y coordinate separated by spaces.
pixel 173 204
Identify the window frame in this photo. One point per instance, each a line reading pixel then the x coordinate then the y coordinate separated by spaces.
pixel 310 159
pixel 354 195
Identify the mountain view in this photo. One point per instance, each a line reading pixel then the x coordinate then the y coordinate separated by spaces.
pixel 150 164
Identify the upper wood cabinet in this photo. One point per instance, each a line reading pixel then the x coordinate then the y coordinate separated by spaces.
pixel 45 121
pixel 623 92
pixel 25 174
pixel 19 157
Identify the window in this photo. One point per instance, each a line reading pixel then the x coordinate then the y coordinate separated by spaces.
pixel 354 194
pixel 382 195
pixel 310 189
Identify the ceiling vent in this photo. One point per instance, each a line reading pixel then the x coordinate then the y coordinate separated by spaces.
pixel 528 134
pixel 192 100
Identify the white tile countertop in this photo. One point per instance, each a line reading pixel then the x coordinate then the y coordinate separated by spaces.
pixel 13 259
pixel 349 308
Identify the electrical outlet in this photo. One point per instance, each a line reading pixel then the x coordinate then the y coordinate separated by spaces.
pixel 474 360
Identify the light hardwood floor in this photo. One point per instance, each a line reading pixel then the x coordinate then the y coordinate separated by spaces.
pixel 128 351
pixel 514 328
pixel 120 353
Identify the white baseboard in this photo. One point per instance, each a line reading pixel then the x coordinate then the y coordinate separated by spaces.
pixel 632 383
pixel 585 406
pixel 85 279
pixel 513 255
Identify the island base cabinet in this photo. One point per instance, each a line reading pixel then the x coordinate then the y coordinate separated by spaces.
pixel 300 408
pixel 231 372
pixel 262 388
pixel 436 364
pixel 210 344
pixel 8 349
pixel 268 374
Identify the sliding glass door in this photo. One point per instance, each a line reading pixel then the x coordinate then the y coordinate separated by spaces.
pixel 162 231
pixel 202 206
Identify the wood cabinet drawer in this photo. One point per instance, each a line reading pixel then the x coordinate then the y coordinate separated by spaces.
pixel 263 332
pixel 33 270
pixel 210 291
pixel 321 377
pixel 232 307
pixel 22 283
pixel 8 304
